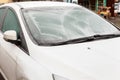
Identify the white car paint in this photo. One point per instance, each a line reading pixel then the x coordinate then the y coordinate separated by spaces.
pixel 96 60
pixel 89 62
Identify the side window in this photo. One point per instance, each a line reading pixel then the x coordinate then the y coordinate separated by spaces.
pixel 2 11
pixel 10 22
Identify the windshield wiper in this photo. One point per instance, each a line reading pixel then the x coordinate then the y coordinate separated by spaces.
pixel 87 39
pixel 78 40
pixel 97 36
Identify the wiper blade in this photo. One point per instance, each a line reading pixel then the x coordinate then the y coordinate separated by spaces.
pixel 86 39
pixel 105 36
pixel 78 40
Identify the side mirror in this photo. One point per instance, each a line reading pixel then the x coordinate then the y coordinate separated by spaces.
pixel 10 35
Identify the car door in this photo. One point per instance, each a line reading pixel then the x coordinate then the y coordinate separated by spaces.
pixel 8 50
pixel 2 14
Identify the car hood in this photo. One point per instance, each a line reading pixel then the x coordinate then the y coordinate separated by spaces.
pixel 95 60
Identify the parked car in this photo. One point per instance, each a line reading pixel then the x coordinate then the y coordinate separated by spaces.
pixel 43 40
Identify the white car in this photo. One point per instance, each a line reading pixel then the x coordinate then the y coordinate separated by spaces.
pixel 57 41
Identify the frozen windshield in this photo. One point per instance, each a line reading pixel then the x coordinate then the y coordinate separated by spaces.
pixel 59 24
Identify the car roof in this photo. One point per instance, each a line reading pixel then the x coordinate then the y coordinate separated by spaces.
pixel 32 4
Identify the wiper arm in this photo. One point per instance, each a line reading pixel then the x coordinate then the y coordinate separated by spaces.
pixel 105 36
pixel 86 39
pixel 78 40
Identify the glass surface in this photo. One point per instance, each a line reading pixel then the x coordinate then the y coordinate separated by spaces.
pixel 10 22
pixel 59 24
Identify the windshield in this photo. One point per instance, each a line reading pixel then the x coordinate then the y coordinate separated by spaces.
pixel 59 24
